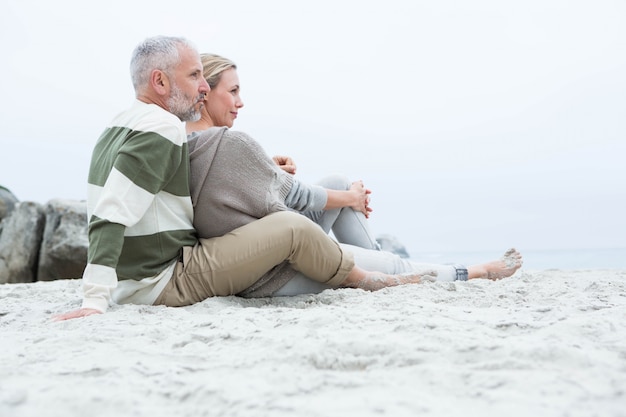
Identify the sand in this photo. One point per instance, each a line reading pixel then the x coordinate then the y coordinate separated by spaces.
pixel 543 343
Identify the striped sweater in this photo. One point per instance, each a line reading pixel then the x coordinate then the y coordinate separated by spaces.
pixel 139 207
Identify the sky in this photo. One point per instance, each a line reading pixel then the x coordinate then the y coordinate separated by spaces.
pixel 477 125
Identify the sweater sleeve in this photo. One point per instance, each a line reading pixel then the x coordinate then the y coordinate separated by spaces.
pixel 306 197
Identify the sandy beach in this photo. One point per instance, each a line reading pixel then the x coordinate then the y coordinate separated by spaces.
pixel 543 343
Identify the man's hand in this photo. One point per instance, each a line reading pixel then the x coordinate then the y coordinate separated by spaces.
pixel 81 312
pixel 285 163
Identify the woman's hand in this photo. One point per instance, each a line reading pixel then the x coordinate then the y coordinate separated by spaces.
pixel 362 198
pixel 357 198
pixel 285 163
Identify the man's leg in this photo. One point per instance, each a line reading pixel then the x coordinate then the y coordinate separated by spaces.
pixel 228 264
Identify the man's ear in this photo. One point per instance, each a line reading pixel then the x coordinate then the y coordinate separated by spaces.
pixel 160 82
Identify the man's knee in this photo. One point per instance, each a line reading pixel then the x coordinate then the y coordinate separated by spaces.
pixel 295 223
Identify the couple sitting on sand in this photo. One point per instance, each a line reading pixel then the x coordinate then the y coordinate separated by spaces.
pixel 174 220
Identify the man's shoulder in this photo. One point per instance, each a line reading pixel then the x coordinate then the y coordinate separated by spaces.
pixel 151 118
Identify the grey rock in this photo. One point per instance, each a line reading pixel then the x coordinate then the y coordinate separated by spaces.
pixel 7 202
pixel 63 252
pixel 392 244
pixel 19 243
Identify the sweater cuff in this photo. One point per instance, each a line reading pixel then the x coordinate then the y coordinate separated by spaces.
pixel 319 198
pixel 99 304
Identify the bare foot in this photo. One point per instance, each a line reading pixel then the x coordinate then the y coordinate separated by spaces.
pixel 377 280
pixel 495 270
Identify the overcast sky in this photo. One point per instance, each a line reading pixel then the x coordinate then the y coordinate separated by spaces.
pixel 478 125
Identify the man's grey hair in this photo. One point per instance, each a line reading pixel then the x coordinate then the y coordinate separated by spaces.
pixel 158 52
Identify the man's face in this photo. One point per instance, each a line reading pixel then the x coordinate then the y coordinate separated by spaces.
pixel 187 87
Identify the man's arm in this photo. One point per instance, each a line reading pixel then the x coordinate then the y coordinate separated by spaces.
pixel 119 203
pixel 98 280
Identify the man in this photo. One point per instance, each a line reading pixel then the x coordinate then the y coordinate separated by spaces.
pixel 140 211
pixel 142 245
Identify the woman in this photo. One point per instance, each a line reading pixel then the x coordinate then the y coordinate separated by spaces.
pixel 233 182
pixel 334 203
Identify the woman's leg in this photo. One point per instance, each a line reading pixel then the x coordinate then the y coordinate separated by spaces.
pixel 389 263
pixel 348 226
pixel 372 260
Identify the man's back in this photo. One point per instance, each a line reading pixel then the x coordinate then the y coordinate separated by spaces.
pixel 139 206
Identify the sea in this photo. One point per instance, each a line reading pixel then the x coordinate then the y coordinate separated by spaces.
pixel 564 259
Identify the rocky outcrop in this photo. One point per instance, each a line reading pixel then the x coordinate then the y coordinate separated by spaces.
pixel 63 252
pixel 392 244
pixel 7 202
pixel 20 240
pixel 40 243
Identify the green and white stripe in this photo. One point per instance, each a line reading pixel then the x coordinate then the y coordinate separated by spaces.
pixel 139 204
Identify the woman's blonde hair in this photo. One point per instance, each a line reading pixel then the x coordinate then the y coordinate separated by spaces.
pixel 213 66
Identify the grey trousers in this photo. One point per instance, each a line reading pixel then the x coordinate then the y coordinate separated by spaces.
pixel 371 260
pixel 348 226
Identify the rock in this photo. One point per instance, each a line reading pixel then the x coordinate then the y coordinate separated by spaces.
pixel 7 202
pixel 21 237
pixel 392 244
pixel 63 252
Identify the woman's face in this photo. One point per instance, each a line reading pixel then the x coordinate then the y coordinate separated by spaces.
pixel 223 101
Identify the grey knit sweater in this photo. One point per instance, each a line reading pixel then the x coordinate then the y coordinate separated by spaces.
pixel 234 182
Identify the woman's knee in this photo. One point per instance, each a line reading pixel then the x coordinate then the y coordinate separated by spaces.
pixel 335 182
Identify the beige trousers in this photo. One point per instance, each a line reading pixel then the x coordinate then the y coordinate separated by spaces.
pixel 228 264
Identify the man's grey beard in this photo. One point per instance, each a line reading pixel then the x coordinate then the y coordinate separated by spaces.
pixel 179 105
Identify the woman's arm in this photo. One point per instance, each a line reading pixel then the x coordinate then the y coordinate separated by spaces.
pixel 356 197
pixel 306 197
